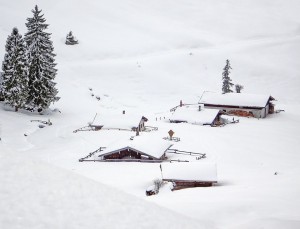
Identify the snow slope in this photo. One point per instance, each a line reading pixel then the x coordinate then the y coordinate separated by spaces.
pixel 144 57
pixel 37 195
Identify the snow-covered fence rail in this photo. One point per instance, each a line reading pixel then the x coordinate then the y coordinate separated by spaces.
pixel 178 161
pixel 117 129
pixel 174 139
pixel 89 128
pixel 185 104
pixel 151 128
pixel 123 160
pixel 176 151
pixel 96 128
pixel 131 160
pixel 49 123
pixel 91 154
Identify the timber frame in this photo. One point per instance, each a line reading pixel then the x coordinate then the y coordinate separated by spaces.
pixel 245 111
pixel 129 153
pixel 182 184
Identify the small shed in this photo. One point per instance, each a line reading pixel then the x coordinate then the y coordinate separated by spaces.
pixel 240 104
pixel 189 174
pixel 196 114
pixel 141 149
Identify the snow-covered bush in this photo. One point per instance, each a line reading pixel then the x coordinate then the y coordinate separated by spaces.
pixel 154 189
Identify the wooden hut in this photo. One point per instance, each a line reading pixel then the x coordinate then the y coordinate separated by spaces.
pixel 196 114
pixel 239 104
pixel 189 174
pixel 123 121
pixel 147 148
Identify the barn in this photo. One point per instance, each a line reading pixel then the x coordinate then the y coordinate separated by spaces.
pixel 196 114
pixel 189 174
pixel 143 148
pixel 240 104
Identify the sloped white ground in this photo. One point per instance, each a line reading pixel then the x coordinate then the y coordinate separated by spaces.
pixel 144 57
pixel 36 195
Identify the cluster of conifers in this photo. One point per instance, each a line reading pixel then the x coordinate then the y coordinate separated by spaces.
pixel 27 80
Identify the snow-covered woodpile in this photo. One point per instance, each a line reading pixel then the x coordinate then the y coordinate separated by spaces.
pixel 241 113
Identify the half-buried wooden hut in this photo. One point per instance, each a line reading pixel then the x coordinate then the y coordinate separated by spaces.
pixel 143 148
pixel 189 174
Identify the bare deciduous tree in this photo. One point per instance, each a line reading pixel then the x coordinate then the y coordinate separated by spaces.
pixel 239 88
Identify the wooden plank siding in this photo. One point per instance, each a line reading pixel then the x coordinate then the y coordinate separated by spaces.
pixel 232 107
pixel 124 153
pixel 181 184
pixel 245 111
pixel 128 154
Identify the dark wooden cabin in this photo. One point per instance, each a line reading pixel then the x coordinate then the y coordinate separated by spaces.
pixel 239 104
pixel 140 148
pixel 129 153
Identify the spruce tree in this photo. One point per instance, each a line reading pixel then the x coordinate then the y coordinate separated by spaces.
pixel 70 39
pixel 1 88
pixel 42 71
pixel 226 88
pixel 14 84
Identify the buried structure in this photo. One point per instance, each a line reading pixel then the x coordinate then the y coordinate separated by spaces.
pixel 189 174
pixel 127 122
pixel 146 148
pixel 197 115
pixel 240 104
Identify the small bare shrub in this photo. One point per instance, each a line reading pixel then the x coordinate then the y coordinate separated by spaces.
pixel 158 184
pixel 239 88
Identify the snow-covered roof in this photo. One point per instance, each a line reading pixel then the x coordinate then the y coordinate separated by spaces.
pixel 120 121
pixel 148 143
pixel 190 171
pixel 191 114
pixel 235 99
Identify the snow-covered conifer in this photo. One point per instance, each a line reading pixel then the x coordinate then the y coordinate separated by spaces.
pixel 1 87
pixel 70 39
pixel 42 71
pixel 14 84
pixel 226 88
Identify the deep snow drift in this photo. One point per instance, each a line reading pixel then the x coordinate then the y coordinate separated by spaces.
pixel 36 195
pixel 144 57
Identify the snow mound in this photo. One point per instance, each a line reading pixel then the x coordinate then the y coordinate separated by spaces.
pixel 37 195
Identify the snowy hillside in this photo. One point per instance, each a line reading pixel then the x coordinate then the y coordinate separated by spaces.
pixel 143 57
pixel 36 195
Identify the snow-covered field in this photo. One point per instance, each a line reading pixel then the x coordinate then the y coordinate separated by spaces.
pixel 144 57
